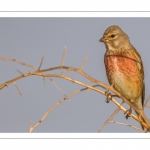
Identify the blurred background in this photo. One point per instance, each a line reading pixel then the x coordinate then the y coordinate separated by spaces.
pixel 29 39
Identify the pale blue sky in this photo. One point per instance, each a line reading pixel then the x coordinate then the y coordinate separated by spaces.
pixel 28 39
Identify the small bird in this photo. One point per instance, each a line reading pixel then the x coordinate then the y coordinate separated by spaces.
pixel 124 67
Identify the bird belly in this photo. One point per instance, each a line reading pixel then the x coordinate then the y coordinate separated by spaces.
pixel 125 86
pixel 123 75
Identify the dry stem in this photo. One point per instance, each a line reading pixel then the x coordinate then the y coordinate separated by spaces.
pixel 110 118
pixel 18 61
pixel 126 125
pixel 83 63
pixel 40 73
pixel 41 63
pixel 51 109
pixel 17 88
pixel 63 58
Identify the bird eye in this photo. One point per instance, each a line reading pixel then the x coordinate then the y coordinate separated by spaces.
pixel 112 35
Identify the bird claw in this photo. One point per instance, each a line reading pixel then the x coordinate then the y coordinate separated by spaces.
pixel 109 97
pixel 128 112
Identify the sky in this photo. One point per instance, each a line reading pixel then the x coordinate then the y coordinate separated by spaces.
pixel 29 39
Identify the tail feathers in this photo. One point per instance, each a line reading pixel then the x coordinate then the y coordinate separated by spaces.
pixel 140 119
pixel 141 124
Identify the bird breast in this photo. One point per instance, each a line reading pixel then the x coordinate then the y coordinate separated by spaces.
pixel 121 64
pixel 123 74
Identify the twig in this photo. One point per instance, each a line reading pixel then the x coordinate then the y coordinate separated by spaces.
pixel 28 65
pixel 106 86
pixel 41 63
pixel 51 109
pixel 18 61
pixel 147 106
pixel 147 101
pixel 17 88
pixel 20 72
pixel 52 81
pixel 30 126
pixel 63 58
pixel 146 124
pixel 110 118
pixel 89 89
pixel 126 125
pixel 67 72
pixel 86 58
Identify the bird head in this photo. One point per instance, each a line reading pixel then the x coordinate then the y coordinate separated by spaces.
pixel 115 38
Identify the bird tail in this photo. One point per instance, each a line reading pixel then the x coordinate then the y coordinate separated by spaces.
pixel 141 119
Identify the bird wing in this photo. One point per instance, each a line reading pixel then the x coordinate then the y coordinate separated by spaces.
pixel 141 71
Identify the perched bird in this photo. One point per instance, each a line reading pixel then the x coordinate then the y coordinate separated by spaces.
pixel 124 67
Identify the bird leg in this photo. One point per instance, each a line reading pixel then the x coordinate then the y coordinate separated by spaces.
pixel 109 96
pixel 128 112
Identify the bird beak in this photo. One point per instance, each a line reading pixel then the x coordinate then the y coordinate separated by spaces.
pixel 103 39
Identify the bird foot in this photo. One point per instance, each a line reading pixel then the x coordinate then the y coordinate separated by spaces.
pixel 128 112
pixel 108 96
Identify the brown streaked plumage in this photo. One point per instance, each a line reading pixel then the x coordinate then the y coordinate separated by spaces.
pixel 124 67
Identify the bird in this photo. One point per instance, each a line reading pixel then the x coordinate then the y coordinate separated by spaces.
pixel 124 67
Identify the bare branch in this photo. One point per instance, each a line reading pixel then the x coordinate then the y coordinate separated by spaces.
pixel 146 101
pixel 67 72
pixel 18 61
pixel 20 72
pixel 41 63
pixel 146 124
pixel 30 126
pixel 63 58
pixel 17 88
pixel 110 118
pixel 51 109
pixel 86 58
pixel 57 86
pixel 147 106
pixel 89 89
pixel 22 63
pixel 126 125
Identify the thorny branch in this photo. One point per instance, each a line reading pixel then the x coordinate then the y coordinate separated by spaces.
pixel 18 61
pixel 30 66
pixel 110 118
pixel 51 109
pixel 39 72
pixel 17 88
pixel 126 125
pixel 86 58
pixel 41 63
